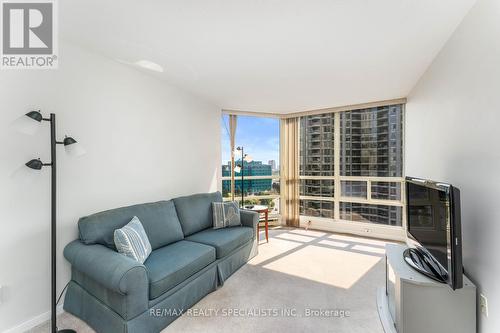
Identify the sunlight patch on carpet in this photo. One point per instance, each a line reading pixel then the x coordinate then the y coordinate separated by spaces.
pixel 369 249
pixel 359 240
pixel 296 237
pixel 268 251
pixel 310 233
pixel 334 243
pixel 329 266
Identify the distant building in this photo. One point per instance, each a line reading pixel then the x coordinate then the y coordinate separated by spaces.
pixel 370 146
pixel 373 147
pixel 250 186
pixel 272 163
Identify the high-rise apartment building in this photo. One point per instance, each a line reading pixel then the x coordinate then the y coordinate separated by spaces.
pixel 370 146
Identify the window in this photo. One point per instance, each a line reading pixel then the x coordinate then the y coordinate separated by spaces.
pixel 371 142
pixel 351 165
pixel 259 138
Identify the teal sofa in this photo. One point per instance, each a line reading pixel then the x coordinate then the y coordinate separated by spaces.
pixel 114 293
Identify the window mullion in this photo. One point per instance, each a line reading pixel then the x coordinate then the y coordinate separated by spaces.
pixel 369 190
pixel 336 157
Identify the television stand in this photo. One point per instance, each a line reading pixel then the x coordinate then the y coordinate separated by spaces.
pixel 411 302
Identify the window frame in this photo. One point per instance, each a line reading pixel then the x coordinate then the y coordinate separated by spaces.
pixel 339 225
pixel 233 177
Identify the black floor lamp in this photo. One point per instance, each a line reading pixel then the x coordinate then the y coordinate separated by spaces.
pixel 29 124
pixel 240 168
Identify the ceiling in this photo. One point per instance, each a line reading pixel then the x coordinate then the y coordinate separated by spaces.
pixel 277 56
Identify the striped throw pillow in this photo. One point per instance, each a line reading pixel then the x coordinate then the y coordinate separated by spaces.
pixel 132 241
pixel 226 214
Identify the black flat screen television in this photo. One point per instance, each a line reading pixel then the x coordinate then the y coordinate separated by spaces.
pixel 434 230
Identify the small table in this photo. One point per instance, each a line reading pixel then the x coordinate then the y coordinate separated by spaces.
pixel 261 209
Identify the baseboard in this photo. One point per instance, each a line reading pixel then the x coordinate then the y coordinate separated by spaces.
pixel 33 322
pixel 371 230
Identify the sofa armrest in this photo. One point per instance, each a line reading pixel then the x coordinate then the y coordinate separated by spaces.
pixel 249 219
pixel 107 267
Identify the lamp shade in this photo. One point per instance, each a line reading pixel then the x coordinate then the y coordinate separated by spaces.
pixel 28 173
pixel 72 147
pixel 237 168
pixel 28 123
pixel 35 164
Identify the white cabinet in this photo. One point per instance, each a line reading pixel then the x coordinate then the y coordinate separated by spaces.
pixel 410 302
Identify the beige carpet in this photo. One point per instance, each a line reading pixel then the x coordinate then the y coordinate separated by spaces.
pixel 297 273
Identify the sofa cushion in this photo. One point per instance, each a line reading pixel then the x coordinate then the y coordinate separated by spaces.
pixel 159 220
pixel 170 265
pixel 224 240
pixel 195 211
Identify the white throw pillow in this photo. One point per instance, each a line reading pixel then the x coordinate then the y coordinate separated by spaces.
pixel 132 241
pixel 226 214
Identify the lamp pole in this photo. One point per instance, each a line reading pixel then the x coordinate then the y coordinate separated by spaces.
pixel 53 219
pixel 53 224
pixel 36 164
pixel 53 228
pixel 242 168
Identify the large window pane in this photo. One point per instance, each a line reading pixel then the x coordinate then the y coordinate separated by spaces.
pixel 259 138
pixel 316 145
pixel 380 214
pixel 317 187
pixel 356 189
pixel 371 142
pixel 370 145
pixel 316 208
pixel 386 190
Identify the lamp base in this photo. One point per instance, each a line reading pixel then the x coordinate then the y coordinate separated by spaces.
pixel 66 331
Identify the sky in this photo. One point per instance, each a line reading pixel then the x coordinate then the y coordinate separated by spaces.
pixel 258 136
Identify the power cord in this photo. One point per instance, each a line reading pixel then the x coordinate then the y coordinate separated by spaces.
pixel 62 292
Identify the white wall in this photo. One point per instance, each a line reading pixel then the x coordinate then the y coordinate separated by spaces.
pixel 145 141
pixel 453 134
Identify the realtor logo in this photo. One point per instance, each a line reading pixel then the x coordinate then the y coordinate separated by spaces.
pixel 28 34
